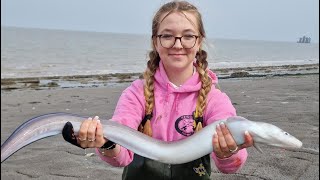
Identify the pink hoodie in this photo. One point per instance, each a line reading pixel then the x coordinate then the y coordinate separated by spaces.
pixel 172 114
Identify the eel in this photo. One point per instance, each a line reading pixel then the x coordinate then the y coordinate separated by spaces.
pixel 175 152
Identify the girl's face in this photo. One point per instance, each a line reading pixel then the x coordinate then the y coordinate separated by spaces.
pixel 177 58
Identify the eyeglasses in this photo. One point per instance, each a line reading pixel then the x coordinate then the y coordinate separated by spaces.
pixel 168 41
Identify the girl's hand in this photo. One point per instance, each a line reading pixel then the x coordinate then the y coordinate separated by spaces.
pixel 223 143
pixel 91 134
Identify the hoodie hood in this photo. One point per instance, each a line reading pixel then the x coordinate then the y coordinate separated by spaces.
pixel 191 85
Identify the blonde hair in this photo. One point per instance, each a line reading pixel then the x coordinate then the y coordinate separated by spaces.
pixel 153 64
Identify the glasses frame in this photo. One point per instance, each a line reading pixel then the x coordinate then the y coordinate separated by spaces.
pixel 175 40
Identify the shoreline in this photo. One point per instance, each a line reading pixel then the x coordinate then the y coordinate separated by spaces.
pixel 101 80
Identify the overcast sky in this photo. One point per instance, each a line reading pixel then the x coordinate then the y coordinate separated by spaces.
pixel 276 20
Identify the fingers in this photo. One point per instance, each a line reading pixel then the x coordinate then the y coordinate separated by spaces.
pixel 100 140
pixel 91 133
pixel 83 130
pixel 223 142
pixel 248 140
pixel 87 132
pixel 231 144
pixel 216 146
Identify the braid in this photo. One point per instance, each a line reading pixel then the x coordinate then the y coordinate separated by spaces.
pixel 148 75
pixel 206 83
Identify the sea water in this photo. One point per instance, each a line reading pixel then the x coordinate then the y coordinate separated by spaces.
pixel 30 52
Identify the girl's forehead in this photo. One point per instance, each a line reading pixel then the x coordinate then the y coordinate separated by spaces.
pixel 178 21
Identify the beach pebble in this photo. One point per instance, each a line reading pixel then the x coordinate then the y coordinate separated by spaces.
pixel 284 102
pixel 90 154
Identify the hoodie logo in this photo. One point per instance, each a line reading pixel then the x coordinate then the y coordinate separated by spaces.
pixel 201 171
pixel 184 125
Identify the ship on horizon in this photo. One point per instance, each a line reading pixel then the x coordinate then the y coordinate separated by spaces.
pixel 304 39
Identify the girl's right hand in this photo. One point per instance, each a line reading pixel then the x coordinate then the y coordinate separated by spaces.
pixel 91 134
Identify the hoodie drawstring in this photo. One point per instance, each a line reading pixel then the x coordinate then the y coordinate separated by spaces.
pixel 176 104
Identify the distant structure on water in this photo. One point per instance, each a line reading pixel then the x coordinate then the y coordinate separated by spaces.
pixel 304 39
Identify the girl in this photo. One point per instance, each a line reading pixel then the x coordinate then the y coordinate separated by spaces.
pixel 175 99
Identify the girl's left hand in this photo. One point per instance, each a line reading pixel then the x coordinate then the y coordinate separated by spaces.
pixel 224 145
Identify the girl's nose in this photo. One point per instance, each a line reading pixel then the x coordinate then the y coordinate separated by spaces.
pixel 177 44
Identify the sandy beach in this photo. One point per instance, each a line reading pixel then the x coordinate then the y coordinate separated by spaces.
pixel 290 101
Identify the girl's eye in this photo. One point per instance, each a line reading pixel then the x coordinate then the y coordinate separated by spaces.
pixel 167 36
pixel 188 37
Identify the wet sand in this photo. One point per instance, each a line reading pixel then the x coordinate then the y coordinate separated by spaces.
pixel 100 80
pixel 290 102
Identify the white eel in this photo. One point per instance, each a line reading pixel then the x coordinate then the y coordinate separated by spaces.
pixel 177 152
